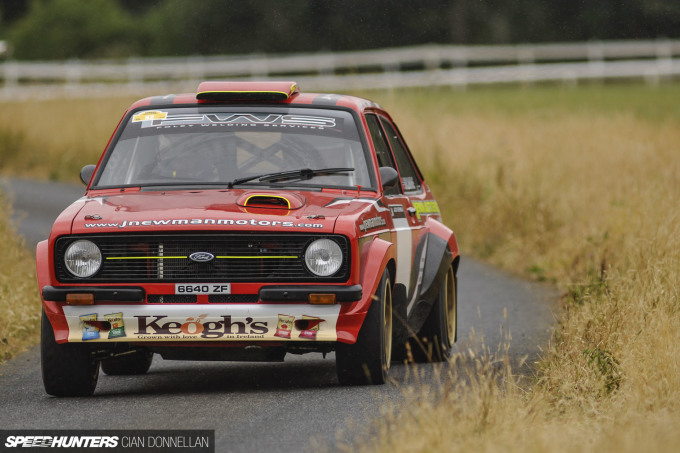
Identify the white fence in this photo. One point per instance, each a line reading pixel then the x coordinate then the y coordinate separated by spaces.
pixel 428 65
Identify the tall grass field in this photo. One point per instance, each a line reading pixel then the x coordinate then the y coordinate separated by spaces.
pixel 575 186
pixel 19 300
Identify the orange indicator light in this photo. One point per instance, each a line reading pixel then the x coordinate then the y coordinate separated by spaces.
pixel 80 299
pixel 322 299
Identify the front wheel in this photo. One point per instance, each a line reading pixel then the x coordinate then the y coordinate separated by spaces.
pixel 68 369
pixel 368 360
pixel 438 334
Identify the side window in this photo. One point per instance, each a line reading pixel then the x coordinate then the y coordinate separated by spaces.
pixel 410 178
pixel 382 151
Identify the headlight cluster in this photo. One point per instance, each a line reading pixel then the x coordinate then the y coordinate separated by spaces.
pixel 323 257
pixel 83 258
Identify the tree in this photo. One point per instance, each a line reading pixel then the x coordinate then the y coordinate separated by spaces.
pixel 62 29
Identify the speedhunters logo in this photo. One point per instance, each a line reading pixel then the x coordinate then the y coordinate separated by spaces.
pixel 128 441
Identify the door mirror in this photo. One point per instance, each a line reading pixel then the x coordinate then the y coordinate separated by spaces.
pixel 86 173
pixel 389 177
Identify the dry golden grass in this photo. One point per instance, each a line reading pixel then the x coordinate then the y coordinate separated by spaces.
pixel 19 299
pixel 54 139
pixel 586 198
pixel 578 187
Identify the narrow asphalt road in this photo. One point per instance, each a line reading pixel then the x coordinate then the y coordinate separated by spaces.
pixel 297 405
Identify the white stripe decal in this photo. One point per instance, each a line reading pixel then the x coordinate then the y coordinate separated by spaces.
pixel 404 251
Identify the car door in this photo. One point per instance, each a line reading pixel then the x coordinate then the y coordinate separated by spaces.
pixel 409 224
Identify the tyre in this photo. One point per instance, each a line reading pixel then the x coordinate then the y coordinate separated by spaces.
pixel 438 334
pixel 137 362
pixel 367 361
pixel 68 369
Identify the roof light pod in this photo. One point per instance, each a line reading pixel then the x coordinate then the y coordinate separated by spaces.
pixel 246 91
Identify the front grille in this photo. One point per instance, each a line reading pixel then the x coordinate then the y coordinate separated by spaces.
pixel 242 257
pixel 233 298
pixel 171 299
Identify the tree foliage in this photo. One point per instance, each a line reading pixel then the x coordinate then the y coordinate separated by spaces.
pixel 61 29
pixel 58 29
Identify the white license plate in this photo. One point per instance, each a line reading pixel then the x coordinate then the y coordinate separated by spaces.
pixel 202 288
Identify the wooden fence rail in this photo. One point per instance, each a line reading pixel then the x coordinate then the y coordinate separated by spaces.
pixel 408 66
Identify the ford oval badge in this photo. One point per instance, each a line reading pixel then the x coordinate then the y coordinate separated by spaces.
pixel 201 257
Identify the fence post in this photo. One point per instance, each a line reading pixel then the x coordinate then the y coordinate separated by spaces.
pixel 73 74
pixel 11 75
pixel 135 72
pixel 595 59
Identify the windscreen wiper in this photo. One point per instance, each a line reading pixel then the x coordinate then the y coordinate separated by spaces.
pixel 303 173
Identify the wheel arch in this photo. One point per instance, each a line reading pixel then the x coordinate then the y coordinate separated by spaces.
pixel 376 256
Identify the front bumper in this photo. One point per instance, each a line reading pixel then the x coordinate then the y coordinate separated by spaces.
pixel 121 314
pixel 277 293
pixel 201 323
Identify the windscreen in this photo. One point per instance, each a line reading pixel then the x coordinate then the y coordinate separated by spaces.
pixel 180 146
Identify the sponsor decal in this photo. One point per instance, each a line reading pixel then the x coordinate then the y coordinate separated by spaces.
pixel 237 322
pixel 149 115
pixel 211 222
pixel 309 326
pixel 160 325
pixel 117 325
pixel 372 223
pixel 90 332
pixel 397 211
pixel 429 207
pixel 284 327
pixel 159 119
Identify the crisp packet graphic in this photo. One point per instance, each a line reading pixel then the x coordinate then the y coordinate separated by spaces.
pixel 309 326
pixel 89 332
pixel 285 326
pixel 117 326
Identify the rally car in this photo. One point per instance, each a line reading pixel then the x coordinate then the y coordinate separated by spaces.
pixel 245 222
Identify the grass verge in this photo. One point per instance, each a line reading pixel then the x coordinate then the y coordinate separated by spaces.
pixel 578 187
pixel 19 300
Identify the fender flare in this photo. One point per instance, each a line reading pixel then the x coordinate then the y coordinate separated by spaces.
pixel 53 310
pixel 437 261
pixel 376 256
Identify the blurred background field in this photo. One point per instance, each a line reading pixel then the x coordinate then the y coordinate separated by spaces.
pixel 575 184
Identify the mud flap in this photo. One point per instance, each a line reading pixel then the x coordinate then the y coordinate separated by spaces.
pixel 437 263
pixel 400 330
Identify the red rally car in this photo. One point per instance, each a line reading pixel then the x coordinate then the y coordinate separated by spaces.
pixel 245 222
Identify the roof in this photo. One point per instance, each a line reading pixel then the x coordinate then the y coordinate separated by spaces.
pixel 260 92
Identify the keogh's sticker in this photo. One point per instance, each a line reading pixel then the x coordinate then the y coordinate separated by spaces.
pixel 209 322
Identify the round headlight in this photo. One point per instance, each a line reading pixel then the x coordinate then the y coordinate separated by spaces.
pixel 83 258
pixel 323 257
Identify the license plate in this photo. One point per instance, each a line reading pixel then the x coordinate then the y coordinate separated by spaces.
pixel 202 288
